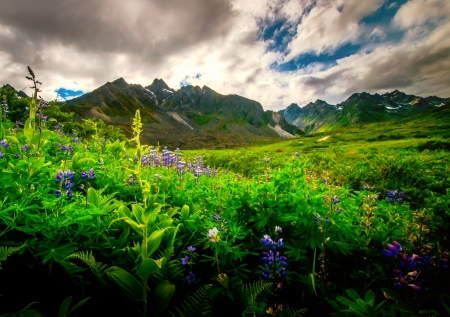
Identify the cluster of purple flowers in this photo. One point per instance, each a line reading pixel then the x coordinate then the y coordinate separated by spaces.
pixel 318 218
pixel 190 277
pixel 66 178
pixel 89 174
pixel 131 180
pixel 273 258
pixel 407 274
pixel 4 143
pixel 394 196
pixel 336 201
pixel 67 148
pixel 217 218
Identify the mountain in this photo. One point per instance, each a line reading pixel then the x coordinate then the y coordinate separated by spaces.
pixel 190 117
pixel 359 108
pixel 19 93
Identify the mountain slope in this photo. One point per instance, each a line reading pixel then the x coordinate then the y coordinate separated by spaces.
pixel 359 108
pixel 191 117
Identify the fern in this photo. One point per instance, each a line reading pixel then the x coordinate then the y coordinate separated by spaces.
pixel 196 305
pixel 173 268
pixel 5 252
pixel 249 294
pixel 96 267
pixel 294 312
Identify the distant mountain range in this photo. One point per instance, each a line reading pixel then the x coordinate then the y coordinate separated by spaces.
pixel 190 117
pixel 359 108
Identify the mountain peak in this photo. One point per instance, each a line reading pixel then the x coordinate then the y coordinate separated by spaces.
pixel 120 82
pixel 159 84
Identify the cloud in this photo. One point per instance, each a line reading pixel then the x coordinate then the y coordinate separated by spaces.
pixel 231 46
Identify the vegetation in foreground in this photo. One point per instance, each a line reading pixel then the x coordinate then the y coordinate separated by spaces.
pixel 349 223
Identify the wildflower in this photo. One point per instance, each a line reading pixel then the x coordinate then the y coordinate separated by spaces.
pixel 185 260
pixel 4 143
pixel 84 175
pixel 394 196
pixel 26 148
pixel 1 154
pixel 213 235
pixel 265 274
pixel 278 229
pixel 393 249
pixel 58 193
pixel 190 277
pixel 191 249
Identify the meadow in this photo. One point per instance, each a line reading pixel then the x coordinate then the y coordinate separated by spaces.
pixel 350 222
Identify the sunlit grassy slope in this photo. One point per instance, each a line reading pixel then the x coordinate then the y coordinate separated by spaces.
pixel 429 130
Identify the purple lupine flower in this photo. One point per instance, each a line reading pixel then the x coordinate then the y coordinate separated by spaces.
pixel 265 274
pixel 1 154
pixel 191 249
pixel 278 229
pixel 185 260
pixel 395 196
pixel 213 235
pixel 394 249
pixel 190 277
pixel 4 143
pixel 84 175
pixel 59 177
pixel 91 173
pixel 58 193
pixel 26 148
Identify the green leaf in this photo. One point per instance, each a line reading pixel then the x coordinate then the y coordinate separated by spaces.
pixel 128 283
pixel 185 212
pixel 79 304
pixel 352 293
pixel 123 237
pixel 345 301
pixel 334 305
pixel 148 267
pixel 162 294
pixel 28 129
pixel 153 242
pixel 370 297
pixel 64 308
pixel 92 197
pixel 138 212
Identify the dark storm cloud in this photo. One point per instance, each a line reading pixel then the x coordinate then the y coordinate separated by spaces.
pixel 148 30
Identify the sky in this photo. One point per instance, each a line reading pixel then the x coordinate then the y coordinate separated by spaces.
pixel 276 52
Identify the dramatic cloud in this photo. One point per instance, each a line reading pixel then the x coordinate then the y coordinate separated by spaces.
pixel 274 51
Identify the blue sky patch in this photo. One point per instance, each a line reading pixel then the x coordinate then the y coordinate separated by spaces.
pixel 186 80
pixel 277 34
pixel 67 93
pixel 326 59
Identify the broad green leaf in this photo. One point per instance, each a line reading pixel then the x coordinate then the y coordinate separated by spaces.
pixel 390 293
pixel 148 267
pixel 162 294
pixel 77 305
pixel 64 308
pixel 92 197
pixel 334 305
pixel 370 297
pixel 123 237
pixel 28 129
pixel 185 212
pixel 127 282
pixel 345 301
pixel 352 293
pixel 153 242
pixel 138 212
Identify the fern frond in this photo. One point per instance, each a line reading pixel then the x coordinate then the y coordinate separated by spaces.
pixel 5 252
pixel 196 305
pixel 24 310
pixel 87 258
pixel 173 268
pixel 251 291
pixel 294 312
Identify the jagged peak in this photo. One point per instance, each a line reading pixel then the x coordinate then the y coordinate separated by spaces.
pixel 120 81
pixel 159 83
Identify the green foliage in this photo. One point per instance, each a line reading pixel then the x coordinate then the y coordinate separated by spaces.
pixel 198 304
pixel 5 252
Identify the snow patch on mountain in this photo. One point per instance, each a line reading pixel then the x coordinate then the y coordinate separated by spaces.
pixel 177 117
pixel 278 129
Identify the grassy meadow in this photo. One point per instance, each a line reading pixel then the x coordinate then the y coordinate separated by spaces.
pixel 349 222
